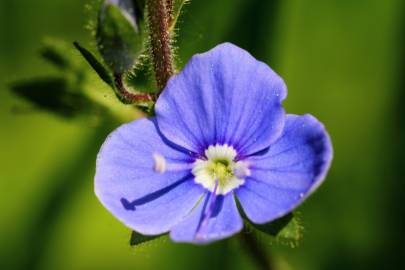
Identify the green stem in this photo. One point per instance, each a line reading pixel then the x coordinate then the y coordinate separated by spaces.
pixel 160 41
pixel 256 250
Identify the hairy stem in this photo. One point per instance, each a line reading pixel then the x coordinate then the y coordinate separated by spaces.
pixel 128 97
pixel 160 41
pixel 256 251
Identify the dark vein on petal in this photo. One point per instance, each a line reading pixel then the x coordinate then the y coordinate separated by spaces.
pixel 131 205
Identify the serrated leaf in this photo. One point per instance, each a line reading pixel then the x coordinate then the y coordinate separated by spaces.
pixel 102 72
pixel 52 94
pixel 292 231
pixel 137 238
pixel 140 79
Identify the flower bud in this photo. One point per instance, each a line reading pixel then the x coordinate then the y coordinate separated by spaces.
pixel 119 34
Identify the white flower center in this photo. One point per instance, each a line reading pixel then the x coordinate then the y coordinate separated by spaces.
pixel 220 172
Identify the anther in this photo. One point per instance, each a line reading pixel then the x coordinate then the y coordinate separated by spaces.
pixel 160 163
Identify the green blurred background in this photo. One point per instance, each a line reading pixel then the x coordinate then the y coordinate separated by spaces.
pixel 343 61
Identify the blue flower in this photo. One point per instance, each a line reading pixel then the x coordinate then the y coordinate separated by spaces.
pixel 220 134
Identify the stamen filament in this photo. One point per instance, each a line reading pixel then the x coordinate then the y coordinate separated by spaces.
pixel 161 165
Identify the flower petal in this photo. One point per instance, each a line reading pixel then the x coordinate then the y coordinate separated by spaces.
pixel 215 218
pixel 223 96
pixel 293 167
pixel 147 201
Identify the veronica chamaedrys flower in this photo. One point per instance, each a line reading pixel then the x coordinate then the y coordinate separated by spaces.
pixel 220 134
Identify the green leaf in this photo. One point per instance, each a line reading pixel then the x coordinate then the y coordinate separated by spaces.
pixel 55 55
pixel 52 94
pixel 140 78
pixel 137 238
pixel 120 38
pixel 292 232
pixel 102 72
pixel 285 230
pixel 177 7
pixel 275 227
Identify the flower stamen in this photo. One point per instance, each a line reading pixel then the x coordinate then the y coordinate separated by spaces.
pixel 160 163
pixel 219 172
pixel 162 166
